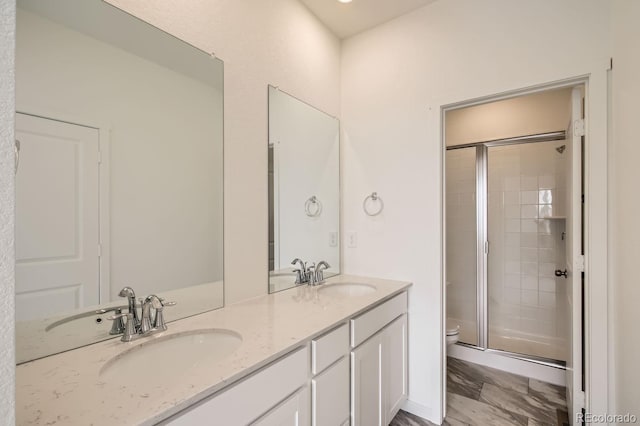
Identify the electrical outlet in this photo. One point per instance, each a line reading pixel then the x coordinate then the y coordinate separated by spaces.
pixel 333 239
pixel 352 239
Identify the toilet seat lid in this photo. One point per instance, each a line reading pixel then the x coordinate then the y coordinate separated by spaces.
pixel 452 329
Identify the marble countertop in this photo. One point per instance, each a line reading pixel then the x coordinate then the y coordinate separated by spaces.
pixel 67 388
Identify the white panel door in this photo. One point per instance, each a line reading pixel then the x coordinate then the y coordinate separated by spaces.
pixel 574 255
pixel 366 383
pixel 57 217
pixel 394 367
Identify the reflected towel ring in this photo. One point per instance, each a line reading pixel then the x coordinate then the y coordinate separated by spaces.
pixel 313 207
pixel 373 197
pixel 16 147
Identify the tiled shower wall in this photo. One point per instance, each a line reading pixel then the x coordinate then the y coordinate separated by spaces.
pixel 526 229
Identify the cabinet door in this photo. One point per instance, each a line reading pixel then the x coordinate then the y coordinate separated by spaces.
pixel 394 367
pixel 330 395
pixel 294 411
pixel 366 377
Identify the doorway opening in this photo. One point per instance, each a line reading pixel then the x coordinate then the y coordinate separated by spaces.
pixel 514 235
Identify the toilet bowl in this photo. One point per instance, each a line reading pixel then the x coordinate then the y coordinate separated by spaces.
pixel 453 333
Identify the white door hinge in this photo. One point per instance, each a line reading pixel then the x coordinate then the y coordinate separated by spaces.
pixel 578 127
pixel 486 247
pixel 99 250
pixel 99 157
pixel 580 263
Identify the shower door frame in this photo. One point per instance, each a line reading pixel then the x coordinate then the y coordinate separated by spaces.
pixel 483 243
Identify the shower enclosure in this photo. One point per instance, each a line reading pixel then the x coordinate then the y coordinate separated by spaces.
pixel 506 204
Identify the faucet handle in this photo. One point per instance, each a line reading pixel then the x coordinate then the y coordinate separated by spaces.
pixel 118 323
pixel 130 332
pixel 158 322
pixel 116 309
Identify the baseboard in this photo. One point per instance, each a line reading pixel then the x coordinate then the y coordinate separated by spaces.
pixel 544 373
pixel 420 411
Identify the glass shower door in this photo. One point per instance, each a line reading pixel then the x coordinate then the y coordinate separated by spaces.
pixel 461 243
pixel 526 226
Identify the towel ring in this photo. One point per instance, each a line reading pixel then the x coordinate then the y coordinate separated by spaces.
pixel 16 148
pixel 373 197
pixel 313 207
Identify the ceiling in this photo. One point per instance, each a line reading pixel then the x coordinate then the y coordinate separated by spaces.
pixel 347 19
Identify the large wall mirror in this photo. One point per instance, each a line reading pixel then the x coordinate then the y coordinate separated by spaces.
pixel 304 189
pixel 120 173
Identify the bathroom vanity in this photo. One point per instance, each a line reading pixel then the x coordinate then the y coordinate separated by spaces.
pixel 327 355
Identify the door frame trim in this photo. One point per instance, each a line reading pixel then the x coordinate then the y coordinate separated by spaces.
pixel 595 332
pixel 104 167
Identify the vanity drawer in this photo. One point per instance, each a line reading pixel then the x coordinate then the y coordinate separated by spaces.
pixel 252 397
pixel 328 348
pixel 369 323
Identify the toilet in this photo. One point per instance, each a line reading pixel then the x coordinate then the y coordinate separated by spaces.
pixel 453 332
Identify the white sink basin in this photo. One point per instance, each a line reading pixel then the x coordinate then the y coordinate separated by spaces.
pixel 157 361
pixel 346 289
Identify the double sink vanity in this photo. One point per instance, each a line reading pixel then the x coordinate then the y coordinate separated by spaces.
pixel 324 355
pixel 119 186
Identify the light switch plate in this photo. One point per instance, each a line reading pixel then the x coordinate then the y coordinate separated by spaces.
pixel 352 239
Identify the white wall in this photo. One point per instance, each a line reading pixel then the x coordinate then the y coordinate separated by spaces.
pixel 625 204
pixel 275 42
pixel 445 53
pixel 7 204
pixel 165 150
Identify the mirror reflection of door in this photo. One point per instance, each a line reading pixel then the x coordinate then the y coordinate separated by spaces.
pixel 57 217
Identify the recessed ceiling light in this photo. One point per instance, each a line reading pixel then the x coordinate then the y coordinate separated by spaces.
pixel 344 1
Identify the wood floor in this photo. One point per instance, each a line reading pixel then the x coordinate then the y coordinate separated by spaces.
pixel 478 395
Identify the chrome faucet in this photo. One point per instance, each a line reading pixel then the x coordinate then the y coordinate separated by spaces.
pixel 134 328
pixel 301 272
pixel 131 297
pixel 315 273
pixel 150 302
pixel 319 272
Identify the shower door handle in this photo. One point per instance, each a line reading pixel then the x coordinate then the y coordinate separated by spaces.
pixel 560 273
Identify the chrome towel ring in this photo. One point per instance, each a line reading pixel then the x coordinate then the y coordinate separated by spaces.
pixel 313 207
pixel 375 199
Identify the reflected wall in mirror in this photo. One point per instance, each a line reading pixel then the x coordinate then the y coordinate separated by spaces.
pixel 304 188
pixel 119 181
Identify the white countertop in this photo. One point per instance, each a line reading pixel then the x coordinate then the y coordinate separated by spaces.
pixel 66 388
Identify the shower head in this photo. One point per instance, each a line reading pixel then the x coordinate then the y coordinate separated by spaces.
pixel 561 148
